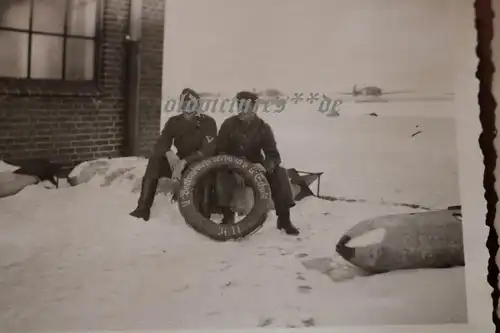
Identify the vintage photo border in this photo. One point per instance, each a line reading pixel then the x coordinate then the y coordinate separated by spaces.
pixel 487 106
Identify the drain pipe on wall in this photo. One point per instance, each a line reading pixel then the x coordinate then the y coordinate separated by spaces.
pixel 133 77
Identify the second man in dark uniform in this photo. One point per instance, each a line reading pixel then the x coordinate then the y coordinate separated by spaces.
pixel 247 136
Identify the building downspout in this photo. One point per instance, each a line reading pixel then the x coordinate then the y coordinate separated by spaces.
pixel 133 77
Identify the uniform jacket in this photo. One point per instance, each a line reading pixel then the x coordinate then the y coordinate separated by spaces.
pixel 194 139
pixel 253 141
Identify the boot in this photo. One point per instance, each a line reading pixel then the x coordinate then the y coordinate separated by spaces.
pixel 148 191
pixel 284 223
pixel 227 216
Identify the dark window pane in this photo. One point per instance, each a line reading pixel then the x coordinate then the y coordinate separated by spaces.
pixel 14 57
pixel 48 16
pixel 82 17
pixel 79 59
pixel 46 57
pixel 14 14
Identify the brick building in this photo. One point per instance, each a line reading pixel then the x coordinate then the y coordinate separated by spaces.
pixel 74 99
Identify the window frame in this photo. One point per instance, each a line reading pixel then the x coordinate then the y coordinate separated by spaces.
pixel 44 86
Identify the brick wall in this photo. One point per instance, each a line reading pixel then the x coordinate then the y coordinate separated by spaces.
pixel 71 124
pixel 151 73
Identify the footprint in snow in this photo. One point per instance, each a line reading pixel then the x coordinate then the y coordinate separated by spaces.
pixel 304 289
pixel 225 267
pixel 212 313
pixel 186 287
pixel 309 322
pixel 265 322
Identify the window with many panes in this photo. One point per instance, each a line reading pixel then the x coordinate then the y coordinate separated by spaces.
pixel 49 39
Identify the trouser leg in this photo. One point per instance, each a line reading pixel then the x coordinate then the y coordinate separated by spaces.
pixel 203 195
pixel 281 190
pixel 282 195
pixel 225 185
pixel 157 167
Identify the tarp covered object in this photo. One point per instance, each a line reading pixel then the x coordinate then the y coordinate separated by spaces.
pixel 416 240
pixel 16 176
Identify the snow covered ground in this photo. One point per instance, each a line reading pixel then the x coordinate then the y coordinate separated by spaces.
pixel 73 259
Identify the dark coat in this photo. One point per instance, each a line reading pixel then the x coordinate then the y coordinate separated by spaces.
pixel 194 139
pixel 253 141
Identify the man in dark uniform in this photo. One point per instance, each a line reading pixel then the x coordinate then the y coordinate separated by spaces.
pixel 247 136
pixel 193 134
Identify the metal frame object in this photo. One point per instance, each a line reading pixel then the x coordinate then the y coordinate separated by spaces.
pixel 319 174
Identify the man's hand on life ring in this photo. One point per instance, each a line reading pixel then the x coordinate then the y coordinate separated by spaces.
pixel 260 167
pixel 178 168
pixel 172 159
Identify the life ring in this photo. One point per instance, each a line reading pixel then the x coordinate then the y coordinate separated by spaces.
pixel 248 225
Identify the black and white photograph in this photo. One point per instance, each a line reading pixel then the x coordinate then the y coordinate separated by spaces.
pixel 240 164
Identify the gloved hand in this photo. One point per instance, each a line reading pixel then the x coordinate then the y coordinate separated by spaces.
pixel 172 159
pixel 267 167
pixel 270 165
pixel 178 169
pixel 260 167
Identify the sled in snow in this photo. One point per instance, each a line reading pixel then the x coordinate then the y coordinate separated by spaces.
pixel 409 241
pixel 302 180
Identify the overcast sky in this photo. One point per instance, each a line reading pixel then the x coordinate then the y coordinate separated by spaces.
pixel 311 45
